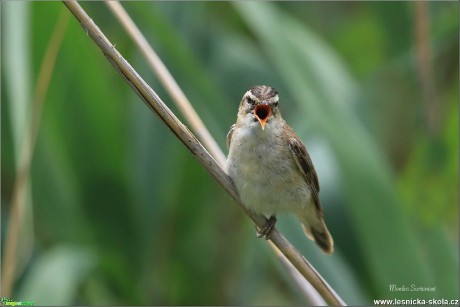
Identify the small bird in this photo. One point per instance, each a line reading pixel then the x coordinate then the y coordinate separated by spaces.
pixel 271 168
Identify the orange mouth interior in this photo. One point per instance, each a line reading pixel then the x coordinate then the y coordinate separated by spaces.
pixel 262 113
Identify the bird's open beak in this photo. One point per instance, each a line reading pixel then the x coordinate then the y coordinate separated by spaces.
pixel 262 113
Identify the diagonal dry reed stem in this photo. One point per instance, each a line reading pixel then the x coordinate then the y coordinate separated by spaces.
pixel 197 125
pixel 151 99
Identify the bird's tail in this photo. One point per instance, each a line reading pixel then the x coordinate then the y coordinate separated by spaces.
pixel 315 228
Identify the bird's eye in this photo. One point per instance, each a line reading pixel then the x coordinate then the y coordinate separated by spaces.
pixel 251 101
pixel 276 104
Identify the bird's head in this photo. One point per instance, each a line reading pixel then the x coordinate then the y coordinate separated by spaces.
pixel 259 105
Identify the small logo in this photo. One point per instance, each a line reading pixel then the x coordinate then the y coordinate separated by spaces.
pixel 6 301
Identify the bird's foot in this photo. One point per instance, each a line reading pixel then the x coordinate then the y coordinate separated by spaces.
pixel 267 229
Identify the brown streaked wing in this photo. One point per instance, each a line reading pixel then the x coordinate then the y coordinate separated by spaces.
pixel 305 165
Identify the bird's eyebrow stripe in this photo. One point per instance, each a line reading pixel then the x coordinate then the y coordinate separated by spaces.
pixel 255 98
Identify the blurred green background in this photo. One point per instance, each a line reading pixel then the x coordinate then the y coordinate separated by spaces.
pixel 120 213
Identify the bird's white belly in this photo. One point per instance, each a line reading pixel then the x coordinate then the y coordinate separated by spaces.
pixel 265 174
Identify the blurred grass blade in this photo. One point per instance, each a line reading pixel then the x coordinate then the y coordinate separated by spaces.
pixel 17 66
pixel 18 75
pixel 19 232
pixel 56 276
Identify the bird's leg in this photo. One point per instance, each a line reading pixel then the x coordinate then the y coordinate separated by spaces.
pixel 266 230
